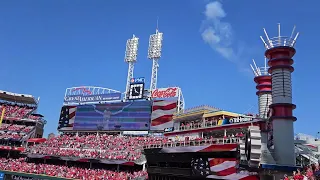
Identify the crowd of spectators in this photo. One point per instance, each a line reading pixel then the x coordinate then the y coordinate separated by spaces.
pixel 27 129
pixel 34 117
pixel 11 135
pixel 101 146
pixel 309 172
pixel 15 111
pixel 20 165
pixel 15 128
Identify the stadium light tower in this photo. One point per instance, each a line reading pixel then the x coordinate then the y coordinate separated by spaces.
pixel 131 58
pixel 279 52
pixel 154 54
pixel 263 80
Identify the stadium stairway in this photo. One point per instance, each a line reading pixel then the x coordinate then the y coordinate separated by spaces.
pixel 29 134
pixel 305 152
pixel 29 113
pixel 142 160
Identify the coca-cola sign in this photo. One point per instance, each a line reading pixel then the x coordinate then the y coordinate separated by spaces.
pixel 169 92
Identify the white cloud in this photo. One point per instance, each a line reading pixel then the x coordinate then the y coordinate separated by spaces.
pixel 214 10
pixel 216 33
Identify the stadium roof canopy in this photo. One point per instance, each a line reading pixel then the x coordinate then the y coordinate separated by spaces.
pixel 38 115
pixel 194 113
pixel 18 98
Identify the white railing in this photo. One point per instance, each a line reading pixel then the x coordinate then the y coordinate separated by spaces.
pixel 202 142
pixel 280 41
pixel 209 124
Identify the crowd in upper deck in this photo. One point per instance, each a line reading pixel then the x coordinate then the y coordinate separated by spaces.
pixel 20 165
pixel 9 129
pixel 101 146
pixel 16 112
pixel 15 127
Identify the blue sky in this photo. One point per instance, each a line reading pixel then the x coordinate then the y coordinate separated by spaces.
pixel 47 46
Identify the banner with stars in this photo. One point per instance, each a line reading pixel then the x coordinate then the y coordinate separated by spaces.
pixel 67 116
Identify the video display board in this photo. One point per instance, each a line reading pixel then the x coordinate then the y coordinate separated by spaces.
pixel 113 116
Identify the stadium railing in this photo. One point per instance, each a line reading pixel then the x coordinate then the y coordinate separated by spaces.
pixel 200 142
pixel 207 124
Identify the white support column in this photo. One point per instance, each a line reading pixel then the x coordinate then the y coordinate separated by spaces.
pixel 129 76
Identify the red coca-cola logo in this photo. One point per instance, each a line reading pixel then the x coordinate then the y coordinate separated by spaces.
pixel 165 93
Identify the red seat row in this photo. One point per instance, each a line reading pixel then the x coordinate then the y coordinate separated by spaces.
pixel 20 165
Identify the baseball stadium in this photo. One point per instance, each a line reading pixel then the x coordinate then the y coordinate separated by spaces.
pixel 147 133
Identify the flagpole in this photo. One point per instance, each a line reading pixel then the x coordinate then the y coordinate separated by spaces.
pixel 2 115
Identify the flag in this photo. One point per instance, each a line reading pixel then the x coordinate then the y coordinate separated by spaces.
pixel 162 114
pixel 67 116
pixel 2 115
pixel 226 168
pixel 213 168
pixel 200 167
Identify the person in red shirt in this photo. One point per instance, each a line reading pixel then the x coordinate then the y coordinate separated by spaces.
pixel 297 175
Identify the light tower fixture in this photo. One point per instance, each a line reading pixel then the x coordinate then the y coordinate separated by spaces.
pixel 130 58
pixel 154 54
pixel 280 40
pixel 279 52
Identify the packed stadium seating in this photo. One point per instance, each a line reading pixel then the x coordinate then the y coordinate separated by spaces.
pixel 20 165
pixel 15 111
pixel 27 129
pixel 9 128
pixel 4 126
pixel 101 146
pixel 34 117
pixel 112 147
pixel 16 128
pixel 10 135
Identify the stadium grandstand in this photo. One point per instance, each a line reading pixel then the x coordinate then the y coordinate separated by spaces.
pixel 26 154
pixel 19 120
pixel 149 135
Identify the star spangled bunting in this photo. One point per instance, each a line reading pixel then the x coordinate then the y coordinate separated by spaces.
pixel 200 167
pixel 67 117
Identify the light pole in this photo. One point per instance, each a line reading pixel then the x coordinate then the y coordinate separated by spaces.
pixel 130 58
pixel 154 54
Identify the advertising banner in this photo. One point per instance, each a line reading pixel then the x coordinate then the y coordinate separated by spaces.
pixel 18 177
pixel 240 119
pixel 169 92
pixel 124 116
pixel 137 80
pixel 135 132
pixel 85 98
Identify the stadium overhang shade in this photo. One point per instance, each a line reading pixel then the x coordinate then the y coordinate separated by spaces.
pixel 220 113
pixel 189 116
pixel 37 140
pixel 194 113
pixel 19 98
pixel 38 115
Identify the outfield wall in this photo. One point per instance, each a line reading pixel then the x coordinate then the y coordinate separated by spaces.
pixel 11 175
